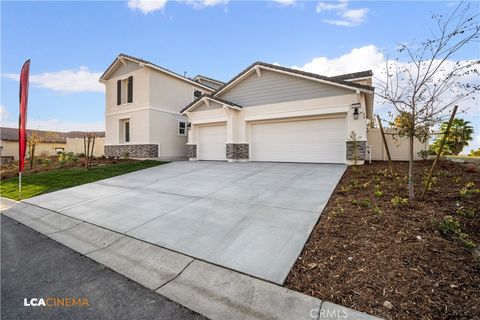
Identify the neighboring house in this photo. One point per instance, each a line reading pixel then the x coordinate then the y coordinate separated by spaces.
pixel 49 142
pixel 142 108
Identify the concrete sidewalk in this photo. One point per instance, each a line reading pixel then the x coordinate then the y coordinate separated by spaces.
pixel 213 291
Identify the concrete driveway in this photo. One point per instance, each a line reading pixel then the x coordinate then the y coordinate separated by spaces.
pixel 251 217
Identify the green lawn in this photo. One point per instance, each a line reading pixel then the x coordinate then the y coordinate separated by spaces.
pixel 44 182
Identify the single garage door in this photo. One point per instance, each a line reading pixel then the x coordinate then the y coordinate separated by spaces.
pixel 211 142
pixel 321 140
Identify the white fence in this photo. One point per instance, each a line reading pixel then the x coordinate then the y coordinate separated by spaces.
pixel 398 147
pixel 76 145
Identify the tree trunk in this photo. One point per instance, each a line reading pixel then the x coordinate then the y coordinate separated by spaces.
pixel 411 194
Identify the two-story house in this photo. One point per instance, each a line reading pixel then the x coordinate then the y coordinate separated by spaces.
pixel 142 108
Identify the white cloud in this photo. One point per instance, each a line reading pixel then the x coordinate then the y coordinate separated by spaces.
pixel 358 59
pixel 58 125
pixel 3 112
pixel 324 6
pixel 200 4
pixel 286 2
pixel 81 80
pixel 147 6
pixel 348 17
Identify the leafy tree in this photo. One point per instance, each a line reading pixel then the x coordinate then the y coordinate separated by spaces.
pixel 461 133
pixel 424 82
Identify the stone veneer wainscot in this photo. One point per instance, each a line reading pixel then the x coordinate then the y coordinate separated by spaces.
pixel 133 150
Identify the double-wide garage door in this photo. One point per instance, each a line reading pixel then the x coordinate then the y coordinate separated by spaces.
pixel 319 140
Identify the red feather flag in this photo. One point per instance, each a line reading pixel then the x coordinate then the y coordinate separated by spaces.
pixel 22 121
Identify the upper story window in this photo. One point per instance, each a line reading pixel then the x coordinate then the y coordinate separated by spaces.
pixel 182 128
pixel 197 94
pixel 125 91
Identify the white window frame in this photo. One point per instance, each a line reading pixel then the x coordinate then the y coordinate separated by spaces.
pixel 185 129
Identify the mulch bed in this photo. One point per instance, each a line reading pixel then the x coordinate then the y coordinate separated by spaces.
pixel 394 262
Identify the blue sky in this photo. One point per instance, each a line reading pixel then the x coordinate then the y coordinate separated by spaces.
pixel 72 43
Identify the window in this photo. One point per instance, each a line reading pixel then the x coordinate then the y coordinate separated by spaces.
pixel 125 91
pixel 197 94
pixel 127 131
pixel 182 128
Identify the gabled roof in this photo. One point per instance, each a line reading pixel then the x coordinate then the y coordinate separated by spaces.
pixel 295 72
pixel 210 97
pixel 11 134
pixel 354 76
pixel 121 56
pixel 199 76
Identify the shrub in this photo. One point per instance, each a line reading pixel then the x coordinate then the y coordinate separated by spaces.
pixel 126 155
pixel 47 162
pixel 377 210
pixel 423 154
pixel 443 173
pixel 456 180
pixel 378 193
pixel 366 203
pixel 433 181
pixel 398 202
pixel 469 190
pixel 465 212
pixel 451 227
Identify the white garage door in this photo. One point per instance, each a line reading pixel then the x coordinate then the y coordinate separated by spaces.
pixel 320 141
pixel 211 142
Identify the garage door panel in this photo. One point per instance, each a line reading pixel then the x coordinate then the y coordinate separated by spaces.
pixel 299 141
pixel 211 142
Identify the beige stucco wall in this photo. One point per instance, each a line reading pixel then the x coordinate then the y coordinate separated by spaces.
pixel 10 149
pixel 154 112
pixel 76 145
pixel 398 147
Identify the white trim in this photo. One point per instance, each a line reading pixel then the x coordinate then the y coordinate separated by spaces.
pixel 178 128
pixel 256 67
pixel 209 80
pixel 298 113
pixel 142 108
pixel 106 74
pixel 204 99
pixel 208 121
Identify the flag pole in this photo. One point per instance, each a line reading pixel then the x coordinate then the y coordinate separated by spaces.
pixel 22 122
pixel 20 186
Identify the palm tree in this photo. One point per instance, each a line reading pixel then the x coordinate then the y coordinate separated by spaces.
pixel 461 132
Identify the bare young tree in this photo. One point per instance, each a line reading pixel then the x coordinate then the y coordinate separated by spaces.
pixel 88 146
pixel 424 82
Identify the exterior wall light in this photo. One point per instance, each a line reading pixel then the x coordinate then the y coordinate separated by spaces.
pixel 356 107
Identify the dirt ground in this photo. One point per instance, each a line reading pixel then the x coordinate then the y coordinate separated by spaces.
pixel 398 261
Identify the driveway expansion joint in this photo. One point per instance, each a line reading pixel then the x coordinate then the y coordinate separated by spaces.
pixel 175 277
